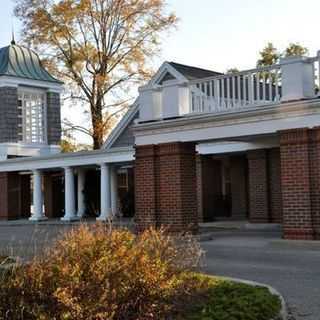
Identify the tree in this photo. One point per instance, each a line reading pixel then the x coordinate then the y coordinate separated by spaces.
pixel 295 49
pixel 100 48
pixel 268 56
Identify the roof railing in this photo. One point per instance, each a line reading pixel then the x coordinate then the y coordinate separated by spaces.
pixel 294 78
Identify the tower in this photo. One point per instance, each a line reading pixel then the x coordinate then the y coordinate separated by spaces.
pixel 30 115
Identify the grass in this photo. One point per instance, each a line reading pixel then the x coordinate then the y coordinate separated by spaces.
pixel 227 300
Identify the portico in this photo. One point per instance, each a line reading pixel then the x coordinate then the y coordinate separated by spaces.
pixel 73 169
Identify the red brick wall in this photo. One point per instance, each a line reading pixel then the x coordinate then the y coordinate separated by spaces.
pixel 314 158
pixel 258 186
pixel 166 187
pixel 145 187
pixel 275 198
pixel 295 182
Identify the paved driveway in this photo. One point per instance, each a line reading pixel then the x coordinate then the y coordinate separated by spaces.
pixel 293 268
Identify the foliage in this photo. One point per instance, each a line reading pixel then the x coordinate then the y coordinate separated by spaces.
pixel 99 48
pixel 271 55
pixel 227 300
pixel 100 273
pixel 295 49
pixel 268 56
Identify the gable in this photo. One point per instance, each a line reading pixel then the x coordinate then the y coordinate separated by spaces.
pixel 126 138
pixel 122 135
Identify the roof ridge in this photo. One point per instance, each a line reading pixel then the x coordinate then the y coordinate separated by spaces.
pixel 189 66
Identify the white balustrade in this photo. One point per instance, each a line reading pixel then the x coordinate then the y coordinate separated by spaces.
pixel 236 91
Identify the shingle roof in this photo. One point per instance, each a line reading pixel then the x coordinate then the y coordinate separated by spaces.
pixel 192 73
pixel 21 62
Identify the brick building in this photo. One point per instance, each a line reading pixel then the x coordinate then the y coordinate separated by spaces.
pixel 196 146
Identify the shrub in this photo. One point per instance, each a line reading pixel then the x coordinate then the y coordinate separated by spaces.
pixel 227 300
pixel 99 273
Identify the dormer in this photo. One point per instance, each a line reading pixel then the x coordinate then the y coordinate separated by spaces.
pixel 30 122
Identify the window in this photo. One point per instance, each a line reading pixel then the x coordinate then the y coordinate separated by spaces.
pixel 31 108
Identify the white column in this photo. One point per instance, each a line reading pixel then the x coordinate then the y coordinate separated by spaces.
pixel 105 206
pixel 70 209
pixel 114 191
pixel 37 214
pixel 81 199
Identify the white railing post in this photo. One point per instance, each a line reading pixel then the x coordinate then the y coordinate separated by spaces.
pixel 298 81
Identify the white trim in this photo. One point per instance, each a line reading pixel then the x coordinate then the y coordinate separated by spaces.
pixel 164 68
pixel 121 126
pixel 6 81
pixel 233 146
pixel 73 159
pixel 210 126
pixel 27 149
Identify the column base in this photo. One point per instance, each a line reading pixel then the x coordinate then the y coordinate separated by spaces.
pixel 42 218
pixel 69 219
pixel 104 218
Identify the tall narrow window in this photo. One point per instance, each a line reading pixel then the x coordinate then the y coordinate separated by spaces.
pixel 31 105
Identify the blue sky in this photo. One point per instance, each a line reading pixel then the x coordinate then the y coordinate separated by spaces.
pixel 220 34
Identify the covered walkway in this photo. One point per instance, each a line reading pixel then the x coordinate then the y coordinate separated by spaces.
pixel 24 178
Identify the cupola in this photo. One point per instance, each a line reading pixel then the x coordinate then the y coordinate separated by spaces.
pixel 30 122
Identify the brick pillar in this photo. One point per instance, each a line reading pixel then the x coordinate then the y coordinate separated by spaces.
pixel 165 187
pixel 275 185
pixel 295 184
pixel 258 186
pixel 145 187
pixel 177 190
pixel 314 158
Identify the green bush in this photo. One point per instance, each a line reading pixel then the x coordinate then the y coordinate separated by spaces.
pixel 236 301
pixel 97 273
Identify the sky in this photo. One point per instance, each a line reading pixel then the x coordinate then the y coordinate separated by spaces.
pixel 220 34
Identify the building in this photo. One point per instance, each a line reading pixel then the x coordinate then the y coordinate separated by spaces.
pixel 196 145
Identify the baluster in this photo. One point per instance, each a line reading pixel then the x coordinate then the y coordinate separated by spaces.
pixel 258 87
pixel 210 96
pixel 233 91
pixel 228 92
pixel 276 83
pixel 217 93
pixel 250 89
pixel 222 94
pixel 203 97
pixel 270 87
pixel 239 91
pixel 244 89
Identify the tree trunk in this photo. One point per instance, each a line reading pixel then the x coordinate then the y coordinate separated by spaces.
pixel 97 126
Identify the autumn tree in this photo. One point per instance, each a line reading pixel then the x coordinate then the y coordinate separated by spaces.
pixel 295 49
pixel 268 56
pixel 100 48
pixel 271 55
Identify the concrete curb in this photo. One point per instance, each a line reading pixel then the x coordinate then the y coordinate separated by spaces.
pixel 283 315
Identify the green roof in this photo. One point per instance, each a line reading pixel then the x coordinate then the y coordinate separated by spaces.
pixel 21 62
